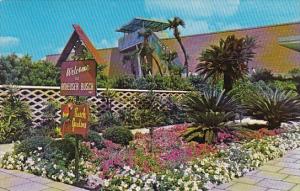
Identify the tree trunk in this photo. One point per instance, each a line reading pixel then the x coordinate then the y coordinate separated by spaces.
pixel 228 83
pixel 140 73
pixel 186 65
pixel 157 64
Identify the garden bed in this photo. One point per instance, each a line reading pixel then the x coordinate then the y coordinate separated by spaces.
pixel 165 163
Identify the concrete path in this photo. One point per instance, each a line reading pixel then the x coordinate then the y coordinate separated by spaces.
pixel 280 174
pixel 15 180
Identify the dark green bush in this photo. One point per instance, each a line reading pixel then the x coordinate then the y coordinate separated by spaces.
pixel 119 135
pixel 33 143
pixel 96 139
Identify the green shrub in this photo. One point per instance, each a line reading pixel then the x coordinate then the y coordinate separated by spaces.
pixel 48 124
pixel 15 121
pixel 96 139
pixel 284 85
pixel 106 120
pixel 274 106
pixel 32 144
pixel 119 135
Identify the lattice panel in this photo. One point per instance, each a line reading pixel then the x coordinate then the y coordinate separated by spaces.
pixel 37 98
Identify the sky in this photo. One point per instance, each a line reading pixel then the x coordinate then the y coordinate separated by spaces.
pixel 42 27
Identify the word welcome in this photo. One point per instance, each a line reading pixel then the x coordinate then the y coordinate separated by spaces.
pixel 77 70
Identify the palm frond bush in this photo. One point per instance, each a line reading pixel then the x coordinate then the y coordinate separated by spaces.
pixel 274 106
pixel 209 111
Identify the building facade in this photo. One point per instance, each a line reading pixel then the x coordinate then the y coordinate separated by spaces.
pixel 278 49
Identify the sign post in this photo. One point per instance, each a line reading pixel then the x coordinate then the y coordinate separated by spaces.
pixel 78 78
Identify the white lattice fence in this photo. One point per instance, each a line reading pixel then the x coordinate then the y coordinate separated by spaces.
pixel 37 98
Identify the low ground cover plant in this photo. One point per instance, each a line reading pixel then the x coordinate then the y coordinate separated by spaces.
pixel 166 162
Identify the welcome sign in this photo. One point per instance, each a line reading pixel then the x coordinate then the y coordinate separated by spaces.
pixel 77 117
pixel 78 78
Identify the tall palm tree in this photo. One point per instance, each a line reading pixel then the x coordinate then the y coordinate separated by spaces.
pixel 173 25
pixel 147 51
pixel 228 60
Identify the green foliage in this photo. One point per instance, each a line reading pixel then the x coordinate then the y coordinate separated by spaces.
pixel 96 139
pixel 148 112
pixel 274 106
pixel 119 135
pixel 228 60
pixel 106 120
pixel 23 71
pixel 243 89
pixel 15 121
pixel 173 82
pixel 209 111
pixel 33 143
pixel 48 124
pixel 262 75
pixel 294 72
pixel 284 85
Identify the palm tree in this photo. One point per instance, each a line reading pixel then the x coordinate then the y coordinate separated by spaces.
pixel 147 51
pixel 228 60
pixel 174 24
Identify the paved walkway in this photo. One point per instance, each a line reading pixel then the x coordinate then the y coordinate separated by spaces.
pixel 279 174
pixel 15 180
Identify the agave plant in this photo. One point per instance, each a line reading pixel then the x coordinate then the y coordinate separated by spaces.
pixel 209 111
pixel 274 106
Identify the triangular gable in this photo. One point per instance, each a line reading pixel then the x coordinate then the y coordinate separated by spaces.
pixel 78 34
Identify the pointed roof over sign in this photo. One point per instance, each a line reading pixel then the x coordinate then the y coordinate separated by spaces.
pixel 78 34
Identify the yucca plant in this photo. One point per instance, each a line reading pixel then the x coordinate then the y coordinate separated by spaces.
pixel 209 111
pixel 274 106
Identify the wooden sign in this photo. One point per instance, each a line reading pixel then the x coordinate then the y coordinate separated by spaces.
pixel 76 119
pixel 78 78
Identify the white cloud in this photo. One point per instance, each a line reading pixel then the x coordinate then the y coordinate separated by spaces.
pixel 8 41
pixel 194 8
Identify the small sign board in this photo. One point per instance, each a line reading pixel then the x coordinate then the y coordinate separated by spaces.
pixel 78 78
pixel 76 119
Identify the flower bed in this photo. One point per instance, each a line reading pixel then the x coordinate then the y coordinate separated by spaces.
pixel 165 163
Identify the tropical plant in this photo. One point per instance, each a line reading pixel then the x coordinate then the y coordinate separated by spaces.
pixel 174 25
pixel 228 60
pixel 274 106
pixel 209 111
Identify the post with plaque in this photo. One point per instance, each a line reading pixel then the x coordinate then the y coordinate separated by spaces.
pixel 78 78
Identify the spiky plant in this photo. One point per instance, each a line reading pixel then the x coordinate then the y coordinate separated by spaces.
pixel 209 111
pixel 274 106
pixel 228 60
